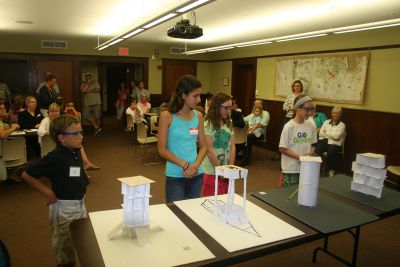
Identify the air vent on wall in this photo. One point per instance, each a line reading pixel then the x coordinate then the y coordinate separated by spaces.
pixel 54 44
pixel 176 50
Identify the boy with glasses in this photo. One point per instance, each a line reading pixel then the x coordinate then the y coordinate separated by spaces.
pixel 64 167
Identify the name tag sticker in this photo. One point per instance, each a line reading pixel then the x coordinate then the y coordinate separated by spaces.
pixel 74 171
pixel 194 131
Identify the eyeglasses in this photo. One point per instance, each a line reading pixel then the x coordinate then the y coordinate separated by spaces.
pixel 74 133
pixel 226 107
pixel 308 109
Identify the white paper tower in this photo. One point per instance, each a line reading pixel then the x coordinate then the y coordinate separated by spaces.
pixel 309 180
pixel 230 212
pixel 136 192
pixel 369 173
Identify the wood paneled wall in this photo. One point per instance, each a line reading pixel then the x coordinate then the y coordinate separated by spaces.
pixel 367 131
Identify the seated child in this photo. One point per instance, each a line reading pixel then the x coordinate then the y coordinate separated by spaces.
pixel 134 114
pixel 64 167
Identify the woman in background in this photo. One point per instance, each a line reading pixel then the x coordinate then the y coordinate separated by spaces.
pixel 220 143
pixel 331 138
pixel 179 130
pixel 30 119
pixel 297 89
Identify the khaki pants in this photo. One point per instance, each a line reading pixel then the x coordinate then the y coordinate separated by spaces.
pixel 61 214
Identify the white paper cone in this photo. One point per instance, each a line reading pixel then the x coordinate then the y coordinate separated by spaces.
pixel 308 183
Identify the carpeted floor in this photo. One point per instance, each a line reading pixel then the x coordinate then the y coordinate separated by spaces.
pixel 24 216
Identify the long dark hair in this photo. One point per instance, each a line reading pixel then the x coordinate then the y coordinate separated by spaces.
pixel 214 115
pixel 185 85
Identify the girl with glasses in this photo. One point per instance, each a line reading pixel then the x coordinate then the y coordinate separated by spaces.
pixel 298 138
pixel 220 143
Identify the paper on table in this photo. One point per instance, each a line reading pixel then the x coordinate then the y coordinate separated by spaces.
pixel 262 228
pixel 175 245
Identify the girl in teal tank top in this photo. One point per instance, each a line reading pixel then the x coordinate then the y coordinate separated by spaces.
pixel 179 130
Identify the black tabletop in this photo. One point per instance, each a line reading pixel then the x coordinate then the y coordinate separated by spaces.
pixel 328 216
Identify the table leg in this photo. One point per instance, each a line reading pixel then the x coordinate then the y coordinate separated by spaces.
pixel 353 263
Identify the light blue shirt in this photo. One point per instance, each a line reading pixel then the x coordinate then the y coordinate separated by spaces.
pixel 182 138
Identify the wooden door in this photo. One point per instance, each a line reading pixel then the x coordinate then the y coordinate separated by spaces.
pixel 173 70
pixel 63 72
pixel 244 83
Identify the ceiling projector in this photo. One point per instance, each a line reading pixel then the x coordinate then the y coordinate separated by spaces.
pixel 184 30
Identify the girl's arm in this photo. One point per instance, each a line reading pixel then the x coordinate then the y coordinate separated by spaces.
pixel 163 125
pixel 210 150
pixel 202 146
pixel 232 153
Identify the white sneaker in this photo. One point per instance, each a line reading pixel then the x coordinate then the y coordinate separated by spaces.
pixel 331 173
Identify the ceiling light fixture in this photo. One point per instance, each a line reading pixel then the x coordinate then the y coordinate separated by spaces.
pixel 253 43
pixel 368 26
pixel 158 21
pixel 300 37
pixel 186 7
pixel 191 6
pixel 359 27
pixel 133 33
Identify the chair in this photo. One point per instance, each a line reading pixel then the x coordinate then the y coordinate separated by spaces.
pixel 262 141
pixel 144 143
pixel 393 180
pixel 13 151
pixel 240 138
pixel 341 154
pixel 240 135
pixel 47 144
pixel 153 126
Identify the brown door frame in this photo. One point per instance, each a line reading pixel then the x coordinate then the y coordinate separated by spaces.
pixel 166 62
pixel 250 92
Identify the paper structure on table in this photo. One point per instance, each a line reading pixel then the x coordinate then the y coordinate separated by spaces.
pixel 308 181
pixel 262 228
pixel 175 245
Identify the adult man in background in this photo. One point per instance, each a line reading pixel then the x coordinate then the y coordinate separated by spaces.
pixel 47 95
pixel 92 109
pixel 55 86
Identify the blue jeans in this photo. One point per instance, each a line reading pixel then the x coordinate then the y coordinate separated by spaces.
pixel 183 188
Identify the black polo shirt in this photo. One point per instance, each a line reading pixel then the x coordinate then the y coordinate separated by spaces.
pixel 64 168
pixel 27 121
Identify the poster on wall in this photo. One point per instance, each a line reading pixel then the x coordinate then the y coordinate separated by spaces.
pixel 338 78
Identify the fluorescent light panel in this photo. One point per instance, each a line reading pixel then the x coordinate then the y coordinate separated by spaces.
pixel 116 41
pixel 132 33
pixel 191 6
pixel 168 15
pixel 157 21
pixel 368 28
pixel 103 47
pixel 253 43
pixel 301 37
